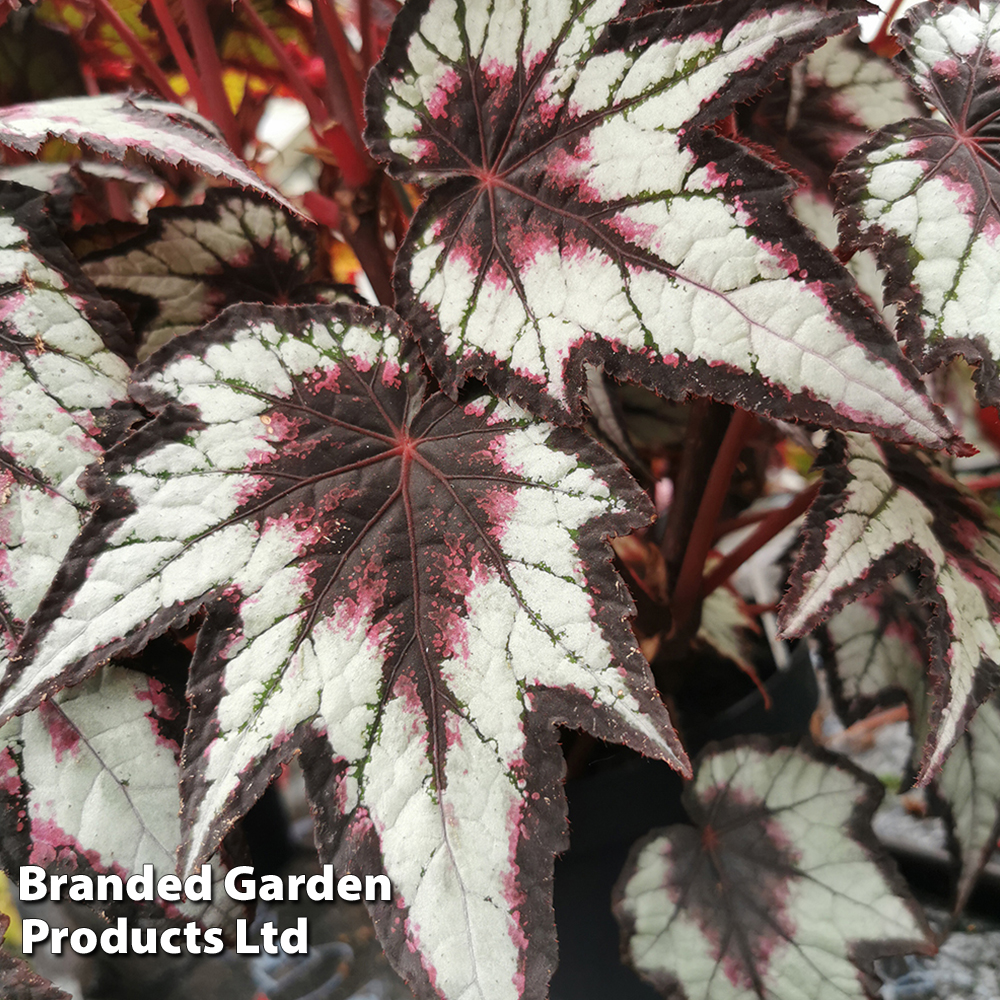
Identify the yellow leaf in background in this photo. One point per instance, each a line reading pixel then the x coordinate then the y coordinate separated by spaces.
pixel 9 907
pixel 344 266
pixel 235 82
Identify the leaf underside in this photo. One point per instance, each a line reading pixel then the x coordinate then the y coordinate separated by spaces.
pixel 779 889
pixel 877 652
pixel 411 590
pixel 924 193
pixel 582 211
pixel 883 510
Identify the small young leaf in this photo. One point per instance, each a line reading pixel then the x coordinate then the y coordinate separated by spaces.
pixel 881 511
pixel 113 124
pixel 191 262
pixel 583 211
pixel 878 649
pixel 422 586
pixel 729 628
pixel 924 193
pixel 779 889
pixel 17 979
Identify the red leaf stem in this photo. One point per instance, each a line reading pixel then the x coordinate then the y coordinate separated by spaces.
pixel 324 210
pixel 882 44
pixel 180 53
pixel 210 68
pixel 344 68
pixel 988 482
pixel 319 115
pixel 774 522
pixel 365 29
pixel 354 166
pixel 687 590
pixel 343 111
pixel 155 75
pixel 742 521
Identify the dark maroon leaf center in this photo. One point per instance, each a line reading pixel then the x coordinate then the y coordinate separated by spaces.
pixel 732 877
pixel 354 471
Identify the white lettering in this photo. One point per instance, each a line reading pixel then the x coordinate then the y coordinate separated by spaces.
pixel 171 934
pixel 33 932
pixel 238 890
pixel 294 881
pixel 110 887
pixel 31 883
pixel 349 888
pixel 168 888
pixel 198 887
pixel 213 941
pixel 243 947
pixel 272 889
pixel 83 940
pixel 320 888
pixel 56 882
pixel 114 940
pixel 294 939
pixel 140 887
pixel 385 887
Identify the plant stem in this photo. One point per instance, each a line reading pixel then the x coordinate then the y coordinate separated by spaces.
pixel 365 28
pixel 743 520
pixel 319 115
pixel 686 593
pixel 882 44
pixel 706 427
pixel 354 166
pixel 988 482
pixel 773 523
pixel 210 69
pixel 362 234
pixel 156 76
pixel 342 76
pixel 180 53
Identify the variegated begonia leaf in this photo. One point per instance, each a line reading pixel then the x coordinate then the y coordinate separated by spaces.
pixel 89 783
pixel 729 628
pixel 779 889
pixel 877 649
pixel 114 124
pixel 829 103
pixel 60 377
pixel 17 979
pixel 582 210
pixel 882 510
pixel 78 190
pixel 424 586
pixel 924 193
pixel 88 779
pixel 190 262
